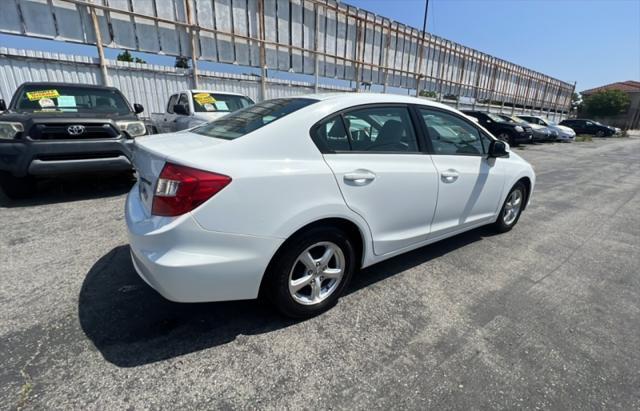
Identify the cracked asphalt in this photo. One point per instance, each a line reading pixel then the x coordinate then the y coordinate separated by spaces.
pixel 545 316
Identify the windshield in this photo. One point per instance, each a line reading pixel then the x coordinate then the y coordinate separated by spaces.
pixel 495 117
pixel 71 99
pixel 251 118
pixel 211 102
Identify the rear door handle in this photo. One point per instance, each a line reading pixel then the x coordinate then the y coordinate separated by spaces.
pixel 449 176
pixel 359 177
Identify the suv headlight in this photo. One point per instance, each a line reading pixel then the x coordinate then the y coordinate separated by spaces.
pixel 519 129
pixel 9 131
pixel 133 128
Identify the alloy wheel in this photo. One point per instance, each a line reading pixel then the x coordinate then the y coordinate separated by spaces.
pixel 512 207
pixel 316 273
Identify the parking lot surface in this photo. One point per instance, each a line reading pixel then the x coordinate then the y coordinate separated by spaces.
pixel 547 315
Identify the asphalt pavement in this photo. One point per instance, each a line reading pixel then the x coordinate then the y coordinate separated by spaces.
pixel 545 316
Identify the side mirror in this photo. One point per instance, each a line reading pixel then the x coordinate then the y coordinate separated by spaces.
pixel 138 108
pixel 180 109
pixel 498 149
pixel 3 105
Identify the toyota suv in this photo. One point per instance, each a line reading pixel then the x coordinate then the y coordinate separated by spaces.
pixel 50 129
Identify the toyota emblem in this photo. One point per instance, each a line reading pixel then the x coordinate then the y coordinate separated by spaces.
pixel 75 130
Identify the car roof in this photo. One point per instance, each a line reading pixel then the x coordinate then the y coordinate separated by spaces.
pixel 354 98
pixel 229 93
pixel 60 84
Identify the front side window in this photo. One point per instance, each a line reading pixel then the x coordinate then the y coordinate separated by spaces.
pixel 242 122
pixel 43 97
pixel 451 135
pixel 172 102
pixel 381 129
pixel 204 102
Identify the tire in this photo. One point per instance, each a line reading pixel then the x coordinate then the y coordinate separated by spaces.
pixel 292 285
pixel 600 133
pixel 506 221
pixel 506 137
pixel 17 187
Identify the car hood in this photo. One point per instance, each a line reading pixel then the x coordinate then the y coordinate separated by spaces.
pixel 564 129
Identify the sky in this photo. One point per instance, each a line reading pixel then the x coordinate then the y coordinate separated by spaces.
pixel 591 42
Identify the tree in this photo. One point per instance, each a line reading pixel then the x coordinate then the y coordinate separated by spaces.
pixel 126 56
pixel 182 62
pixel 431 94
pixel 606 103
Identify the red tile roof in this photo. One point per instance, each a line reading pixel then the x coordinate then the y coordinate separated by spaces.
pixel 626 86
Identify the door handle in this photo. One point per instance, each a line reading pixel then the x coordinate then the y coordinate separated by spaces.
pixel 449 176
pixel 359 177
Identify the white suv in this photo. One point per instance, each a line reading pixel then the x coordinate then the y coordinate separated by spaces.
pixel 290 196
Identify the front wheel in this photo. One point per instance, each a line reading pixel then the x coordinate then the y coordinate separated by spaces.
pixel 600 133
pixel 506 137
pixel 17 187
pixel 310 273
pixel 511 209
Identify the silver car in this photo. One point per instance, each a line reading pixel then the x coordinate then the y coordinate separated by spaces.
pixel 565 134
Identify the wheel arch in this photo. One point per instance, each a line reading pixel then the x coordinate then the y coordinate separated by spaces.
pixel 527 184
pixel 352 229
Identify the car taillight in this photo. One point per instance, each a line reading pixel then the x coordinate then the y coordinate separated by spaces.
pixel 181 189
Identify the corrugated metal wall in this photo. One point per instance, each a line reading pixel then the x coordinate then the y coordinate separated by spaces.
pixel 149 85
pixel 152 85
pixel 344 42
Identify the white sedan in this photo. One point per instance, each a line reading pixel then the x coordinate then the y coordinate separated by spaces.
pixel 289 197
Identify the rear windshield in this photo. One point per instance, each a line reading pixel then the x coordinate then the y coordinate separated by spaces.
pixel 249 119
pixel 211 102
pixel 70 99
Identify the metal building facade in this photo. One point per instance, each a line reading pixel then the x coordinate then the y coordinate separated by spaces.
pixel 318 37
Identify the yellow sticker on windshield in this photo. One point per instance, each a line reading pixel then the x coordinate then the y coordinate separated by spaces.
pixel 204 98
pixel 37 95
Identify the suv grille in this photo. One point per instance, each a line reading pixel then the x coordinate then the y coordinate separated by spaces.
pixel 72 131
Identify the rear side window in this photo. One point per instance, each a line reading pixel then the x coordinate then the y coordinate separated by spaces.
pixel 333 135
pixel 451 135
pixel 242 122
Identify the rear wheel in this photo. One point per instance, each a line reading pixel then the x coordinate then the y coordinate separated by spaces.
pixel 310 273
pixel 511 209
pixel 17 187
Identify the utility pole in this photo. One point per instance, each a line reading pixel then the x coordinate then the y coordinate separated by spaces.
pixel 424 34
pixel 101 58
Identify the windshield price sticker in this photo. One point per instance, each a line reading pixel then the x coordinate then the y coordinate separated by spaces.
pixel 222 106
pixel 38 95
pixel 204 98
pixel 46 102
pixel 209 107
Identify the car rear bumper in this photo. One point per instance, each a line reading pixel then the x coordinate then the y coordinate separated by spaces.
pixel 24 157
pixel 186 263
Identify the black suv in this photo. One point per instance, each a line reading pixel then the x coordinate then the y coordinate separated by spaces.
pixel 504 130
pixel 582 126
pixel 56 128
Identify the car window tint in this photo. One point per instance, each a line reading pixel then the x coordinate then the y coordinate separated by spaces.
pixel 381 129
pixel 248 119
pixel 451 135
pixel 333 134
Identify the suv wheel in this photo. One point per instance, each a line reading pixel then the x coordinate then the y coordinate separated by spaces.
pixel 17 187
pixel 506 137
pixel 308 276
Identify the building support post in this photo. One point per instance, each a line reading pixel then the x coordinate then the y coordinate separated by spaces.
pixel 316 59
pixel 192 36
pixel 263 57
pixel 103 62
